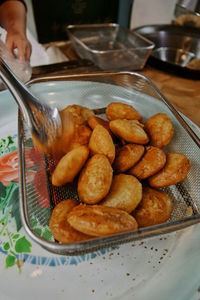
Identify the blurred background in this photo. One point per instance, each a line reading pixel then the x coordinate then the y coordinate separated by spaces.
pixel 47 20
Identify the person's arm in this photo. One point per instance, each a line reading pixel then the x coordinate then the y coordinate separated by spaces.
pixel 13 19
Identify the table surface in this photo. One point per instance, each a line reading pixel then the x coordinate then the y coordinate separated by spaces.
pixel 183 93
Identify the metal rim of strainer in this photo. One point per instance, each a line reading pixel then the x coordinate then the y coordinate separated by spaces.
pixel 109 241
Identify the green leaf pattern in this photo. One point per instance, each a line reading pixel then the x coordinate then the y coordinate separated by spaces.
pixel 12 243
pixel 7 145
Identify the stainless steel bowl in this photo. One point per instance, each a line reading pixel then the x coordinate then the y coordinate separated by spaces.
pixel 180 38
pixel 173 55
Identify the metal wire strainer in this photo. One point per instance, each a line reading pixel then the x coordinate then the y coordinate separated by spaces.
pixel 38 196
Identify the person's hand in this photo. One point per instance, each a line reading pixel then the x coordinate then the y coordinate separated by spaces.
pixel 16 39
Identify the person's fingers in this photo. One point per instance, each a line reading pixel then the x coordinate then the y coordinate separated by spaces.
pixel 21 50
pixel 28 51
pixel 10 45
pixel 23 46
pixel 24 50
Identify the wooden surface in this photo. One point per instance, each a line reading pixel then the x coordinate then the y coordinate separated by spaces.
pixel 183 93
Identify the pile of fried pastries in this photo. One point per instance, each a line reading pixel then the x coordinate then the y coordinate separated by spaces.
pixel 119 166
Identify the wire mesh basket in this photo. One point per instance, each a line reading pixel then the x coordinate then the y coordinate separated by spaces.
pixel 95 91
pixel 110 46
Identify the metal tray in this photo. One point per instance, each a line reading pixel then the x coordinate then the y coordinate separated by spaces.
pixel 181 38
pixel 38 196
pixel 110 46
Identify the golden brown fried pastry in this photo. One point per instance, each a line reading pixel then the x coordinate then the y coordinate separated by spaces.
pixel 101 142
pixel 98 220
pixel 95 179
pixel 59 148
pixel 153 160
pixel 129 130
pixel 175 170
pixel 59 226
pixel 93 121
pixel 125 193
pixel 155 208
pixel 188 20
pixel 80 113
pixel 118 110
pixel 160 130
pixel 81 137
pixel 69 166
pixel 127 156
pixel 68 132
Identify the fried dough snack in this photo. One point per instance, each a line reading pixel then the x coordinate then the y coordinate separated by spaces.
pixel 113 204
pixel 160 130
pixel 188 19
pixel 130 130
pixel 98 220
pixel 125 193
pixel 93 121
pixel 118 110
pixel 69 166
pixel 155 208
pixel 102 143
pixel 175 170
pixel 59 226
pixel 127 156
pixel 95 179
pixel 153 161
pixel 79 113
pixel 60 146
pixel 81 137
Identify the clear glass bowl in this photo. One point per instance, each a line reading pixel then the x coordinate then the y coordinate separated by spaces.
pixel 110 46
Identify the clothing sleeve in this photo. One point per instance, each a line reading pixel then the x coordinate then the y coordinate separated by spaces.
pixel 22 1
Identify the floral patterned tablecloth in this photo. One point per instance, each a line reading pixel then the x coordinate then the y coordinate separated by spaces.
pixel 130 271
